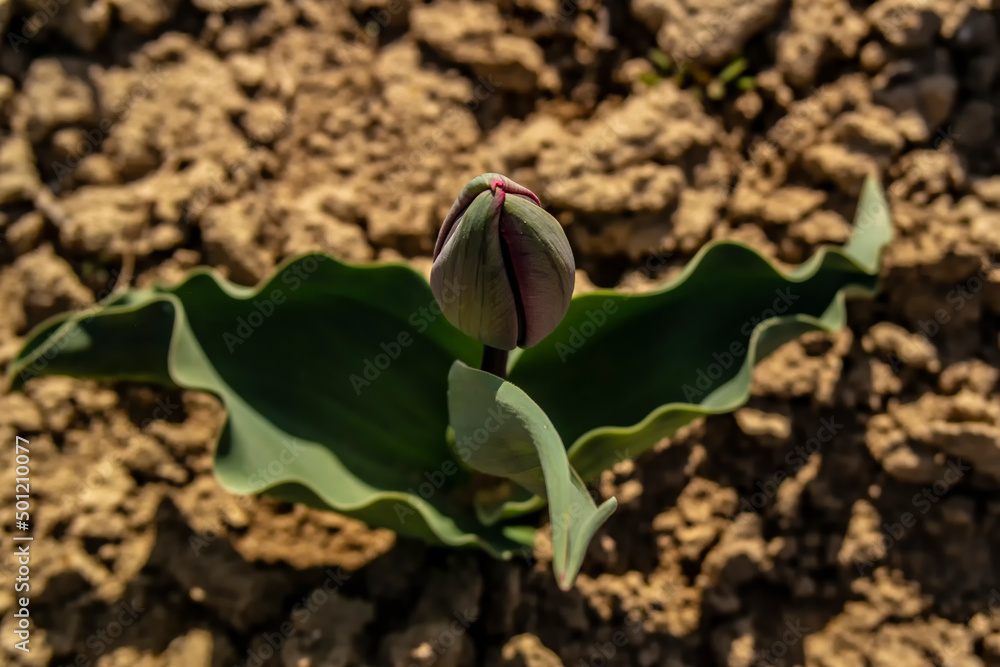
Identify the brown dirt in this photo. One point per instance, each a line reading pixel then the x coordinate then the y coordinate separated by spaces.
pixel 848 517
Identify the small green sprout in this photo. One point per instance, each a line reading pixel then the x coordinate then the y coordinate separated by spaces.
pixel 699 81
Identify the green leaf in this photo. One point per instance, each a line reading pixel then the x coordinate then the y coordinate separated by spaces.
pixel 500 431
pixel 330 404
pixel 650 78
pixel 660 59
pixel 334 379
pixel 623 372
pixel 733 70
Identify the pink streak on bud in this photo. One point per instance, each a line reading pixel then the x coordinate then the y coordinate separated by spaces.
pixel 510 187
pixel 472 189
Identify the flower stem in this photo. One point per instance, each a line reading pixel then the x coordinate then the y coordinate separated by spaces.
pixel 494 361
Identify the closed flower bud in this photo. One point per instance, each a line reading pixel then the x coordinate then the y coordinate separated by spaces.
pixel 503 270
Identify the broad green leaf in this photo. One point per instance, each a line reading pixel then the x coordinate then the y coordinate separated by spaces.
pixel 329 406
pixel 500 431
pixel 334 379
pixel 623 372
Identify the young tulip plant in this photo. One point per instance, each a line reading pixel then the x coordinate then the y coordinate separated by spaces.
pixel 454 412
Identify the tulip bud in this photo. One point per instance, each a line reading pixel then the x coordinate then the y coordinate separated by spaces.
pixel 508 263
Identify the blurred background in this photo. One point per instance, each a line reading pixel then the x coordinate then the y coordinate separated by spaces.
pixel 141 138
